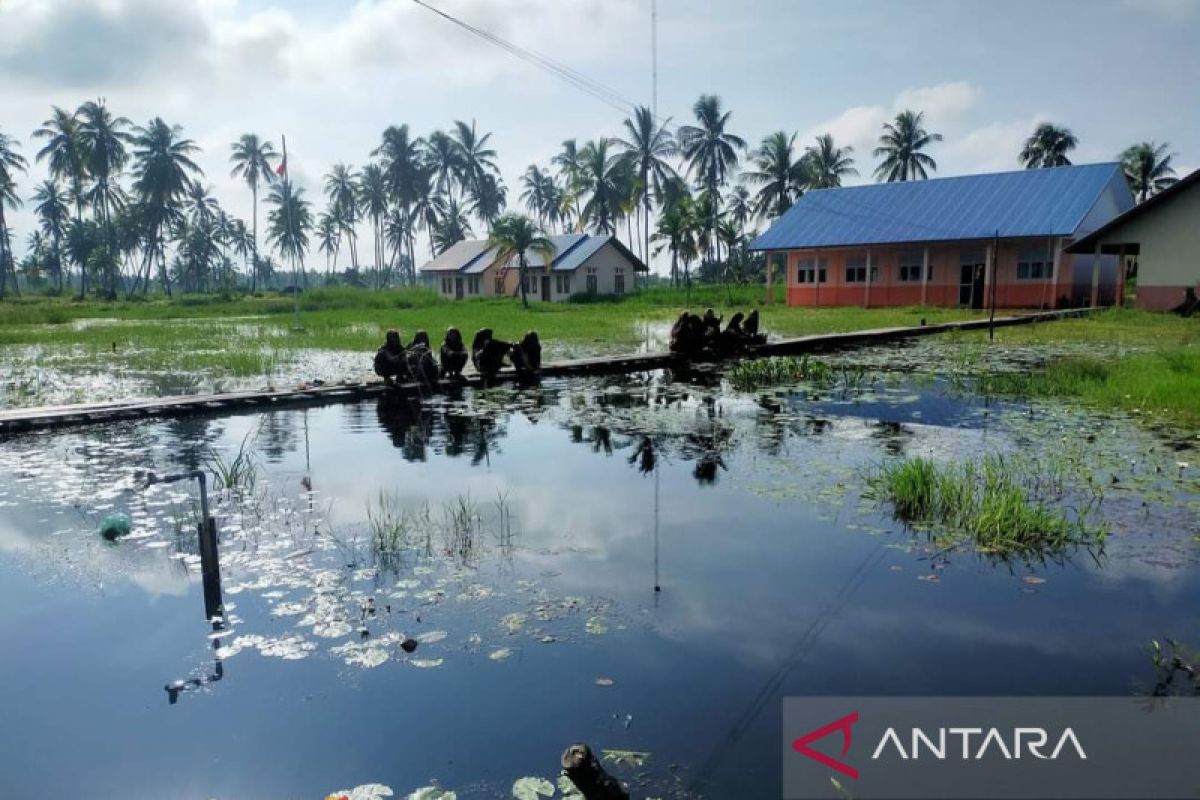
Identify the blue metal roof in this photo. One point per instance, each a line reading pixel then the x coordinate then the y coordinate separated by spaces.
pixel 1030 202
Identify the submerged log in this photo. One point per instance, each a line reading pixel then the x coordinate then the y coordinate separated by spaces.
pixel 580 764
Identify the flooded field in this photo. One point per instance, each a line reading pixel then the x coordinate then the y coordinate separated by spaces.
pixel 446 594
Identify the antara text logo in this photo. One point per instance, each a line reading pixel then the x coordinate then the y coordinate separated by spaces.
pixel 945 743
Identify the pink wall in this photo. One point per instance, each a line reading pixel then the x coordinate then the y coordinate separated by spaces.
pixel 943 286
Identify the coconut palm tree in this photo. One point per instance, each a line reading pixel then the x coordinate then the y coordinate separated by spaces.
pixel 64 152
pixel 329 239
pixel 571 167
pixel 489 197
pixel 781 176
pixel 739 207
pixel 443 157
pixel 373 203
pixel 901 147
pixel 251 158
pixel 104 139
pixel 828 163
pixel 475 159
pixel 341 189
pixel 648 146
pixel 451 225
pixel 163 172
pixel 516 235
pixel 54 214
pixel 402 168
pixel 1148 168
pixel 10 162
pixel 1048 146
pixel 538 193
pixel 676 232
pixel 711 151
pixel 289 222
pixel 604 180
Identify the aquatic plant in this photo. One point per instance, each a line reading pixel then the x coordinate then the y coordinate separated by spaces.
pixel 396 528
pixel 748 375
pixel 1000 504
pixel 237 474
pixel 1176 670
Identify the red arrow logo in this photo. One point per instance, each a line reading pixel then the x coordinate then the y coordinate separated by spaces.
pixel 801 745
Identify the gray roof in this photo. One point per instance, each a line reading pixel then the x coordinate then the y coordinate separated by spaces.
pixel 571 250
pixel 457 256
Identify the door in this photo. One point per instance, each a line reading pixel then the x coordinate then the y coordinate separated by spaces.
pixel 458 289
pixel 970 286
pixel 546 288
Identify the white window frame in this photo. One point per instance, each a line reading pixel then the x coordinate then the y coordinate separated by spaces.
pixel 812 270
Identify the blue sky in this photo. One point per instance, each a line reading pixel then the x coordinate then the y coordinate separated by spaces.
pixel 332 75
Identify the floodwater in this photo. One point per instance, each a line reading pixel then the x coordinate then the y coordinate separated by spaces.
pixel 646 564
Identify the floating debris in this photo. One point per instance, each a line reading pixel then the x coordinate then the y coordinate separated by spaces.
pixel 500 654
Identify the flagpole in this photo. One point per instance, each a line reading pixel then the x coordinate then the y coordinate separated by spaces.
pixel 287 220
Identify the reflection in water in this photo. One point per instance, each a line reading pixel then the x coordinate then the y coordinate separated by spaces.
pixel 738 514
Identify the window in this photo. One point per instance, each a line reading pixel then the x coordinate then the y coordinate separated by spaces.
pixel 531 283
pixel 811 270
pixel 592 283
pixel 910 268
pixel 619 282
pixel 562 283
pixel 446 288
pixel 1035 266
pixel 499 283
pixel 473 284
pixel 856 269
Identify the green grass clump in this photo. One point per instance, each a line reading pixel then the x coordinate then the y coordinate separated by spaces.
pixel 1162 386
pixel 748 375
pixel 999 505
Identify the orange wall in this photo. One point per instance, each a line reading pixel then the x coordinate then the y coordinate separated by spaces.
pixel 942 289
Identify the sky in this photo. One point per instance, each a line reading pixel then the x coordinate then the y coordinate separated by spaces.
pixel 332 75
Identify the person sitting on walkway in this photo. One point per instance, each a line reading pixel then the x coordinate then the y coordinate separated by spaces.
pixel 527 356
pixel 390 363
pixel 454 354
pixel 734 337
pixel 751 329
pixel 487 353
pixel 712 324
pixel 421 363
pixel 688 335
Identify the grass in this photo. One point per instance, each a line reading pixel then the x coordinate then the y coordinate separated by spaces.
pixel 1001 506
pixel 248 336
pixel 1163 385
pixel 747 375
pixel 352 319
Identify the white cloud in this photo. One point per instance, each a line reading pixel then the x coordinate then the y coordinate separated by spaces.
pixel 1173 10
pixel 942 103
pixel 945 105
pixel 990 148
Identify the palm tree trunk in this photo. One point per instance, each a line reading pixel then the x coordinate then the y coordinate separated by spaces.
pixel 521 274
pixel 254 217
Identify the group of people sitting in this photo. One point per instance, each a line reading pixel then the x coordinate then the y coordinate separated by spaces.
pixel 396 363
pixel 693 335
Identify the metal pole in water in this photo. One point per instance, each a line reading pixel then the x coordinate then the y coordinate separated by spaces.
pixel 210 561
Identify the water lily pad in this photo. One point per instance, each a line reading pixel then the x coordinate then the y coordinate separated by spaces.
pixel 629 758
pixel 426 663
pixel 532 788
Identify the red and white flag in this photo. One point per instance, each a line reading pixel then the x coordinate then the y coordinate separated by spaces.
pixel 281 170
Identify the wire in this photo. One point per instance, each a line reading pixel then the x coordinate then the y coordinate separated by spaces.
pixel 599 91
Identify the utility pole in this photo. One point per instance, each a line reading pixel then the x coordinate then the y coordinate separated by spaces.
pixel 287 220
pixel 654 58
pixel 995 269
